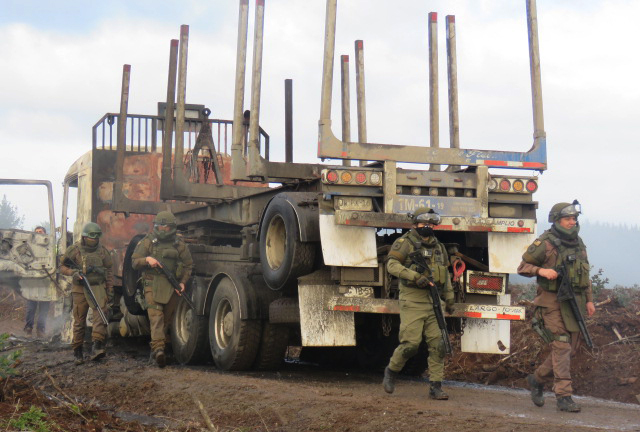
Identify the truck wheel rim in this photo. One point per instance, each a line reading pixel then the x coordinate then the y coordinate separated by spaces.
pixel 276 241
pixel 224 324
pixel 183 325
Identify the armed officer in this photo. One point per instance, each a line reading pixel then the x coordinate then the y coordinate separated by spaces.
pixel 553 320
pixel 162 246
pixel 417 317
pixel 89 257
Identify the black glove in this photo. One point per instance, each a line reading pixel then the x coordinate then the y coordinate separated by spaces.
pixel 77 278
pixel 423 282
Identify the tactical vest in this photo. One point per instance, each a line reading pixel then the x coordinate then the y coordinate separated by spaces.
pixel 434 256
pixel 578 269
pixel 91 263
pixel 166 252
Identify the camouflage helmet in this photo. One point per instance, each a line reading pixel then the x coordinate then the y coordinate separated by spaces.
pixel 92 230
pixel 165 218
pixel 564 209
pixel 425 215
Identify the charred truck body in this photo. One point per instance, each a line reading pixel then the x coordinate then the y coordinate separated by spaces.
pixel 303 263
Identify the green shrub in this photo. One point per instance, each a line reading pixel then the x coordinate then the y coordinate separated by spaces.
pixel 32 420
pixel 7 360
pixel 598 281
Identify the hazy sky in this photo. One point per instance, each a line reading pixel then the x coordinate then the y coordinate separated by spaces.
pixel 62 65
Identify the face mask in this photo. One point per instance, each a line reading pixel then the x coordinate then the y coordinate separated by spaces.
pixel 89 242
pixel 425 231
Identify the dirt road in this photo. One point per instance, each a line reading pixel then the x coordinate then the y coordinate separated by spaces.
pixel 302 398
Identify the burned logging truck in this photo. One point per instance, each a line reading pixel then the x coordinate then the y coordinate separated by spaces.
pixel 292 254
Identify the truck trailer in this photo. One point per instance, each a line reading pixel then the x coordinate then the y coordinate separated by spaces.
pixel 293 254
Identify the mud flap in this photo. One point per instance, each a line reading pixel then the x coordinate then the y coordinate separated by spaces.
pixel 489 336
pixel 321 327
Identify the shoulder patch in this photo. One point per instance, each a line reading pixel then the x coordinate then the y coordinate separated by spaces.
pixel 397 244
pixel 537 242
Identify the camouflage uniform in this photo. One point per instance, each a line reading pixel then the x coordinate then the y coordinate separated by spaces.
pixel 417 319
pixel 160 297
pixel 549 251
pixel 96 264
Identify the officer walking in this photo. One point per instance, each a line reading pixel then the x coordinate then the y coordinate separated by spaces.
pixel 91 258
pixel 161 246
pixel 557 325
pixel 417 318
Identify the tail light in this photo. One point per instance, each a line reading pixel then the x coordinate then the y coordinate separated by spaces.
pixel 532 186
pixel 505 185
pixel 485 283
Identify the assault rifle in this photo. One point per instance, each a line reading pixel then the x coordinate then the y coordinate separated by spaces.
pixel 423 267
pixel 174 283
pixel 87 288
pixel 565 293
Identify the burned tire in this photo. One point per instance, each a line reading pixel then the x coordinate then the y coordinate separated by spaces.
pixel 234 342
pixel 130 279
pixel 189 336
pixel 283 256
pixel 273 346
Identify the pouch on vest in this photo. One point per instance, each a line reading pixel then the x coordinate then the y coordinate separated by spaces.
pixel 94 260
pixel 169 257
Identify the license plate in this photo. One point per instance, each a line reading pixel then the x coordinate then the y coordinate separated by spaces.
pixel 354 203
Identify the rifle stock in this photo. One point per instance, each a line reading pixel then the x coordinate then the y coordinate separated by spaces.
pixel 422 268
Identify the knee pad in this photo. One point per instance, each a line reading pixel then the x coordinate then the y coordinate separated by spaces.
pixel 409 351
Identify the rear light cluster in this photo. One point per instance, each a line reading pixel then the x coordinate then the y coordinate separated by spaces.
pixel 512 185
pixel 485 283
pixel 340 176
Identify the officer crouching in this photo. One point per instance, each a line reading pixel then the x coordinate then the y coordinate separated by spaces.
pixel 417 317
pixel 162 245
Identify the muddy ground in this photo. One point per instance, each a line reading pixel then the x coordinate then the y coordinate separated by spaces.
pixel 124 393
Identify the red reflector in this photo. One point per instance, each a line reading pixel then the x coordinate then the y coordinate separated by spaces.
pixel 532 186
pixel 505 185
pixel 361 177
pixel 332 176
pixel 485 283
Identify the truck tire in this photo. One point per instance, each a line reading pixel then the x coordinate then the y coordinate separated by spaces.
pixel 234 342
pixel 283 256
pixel 284 310
pixel 273 347
pixel 189 336
pixel 130 279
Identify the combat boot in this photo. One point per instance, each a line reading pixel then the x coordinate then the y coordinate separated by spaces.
pixel 389 381
pixel 79 358
pixel 97 351
pixel 436 392
pixel 565 403
pixel 160 358
pixel 40 334
pixel 28 332
pixel 536 391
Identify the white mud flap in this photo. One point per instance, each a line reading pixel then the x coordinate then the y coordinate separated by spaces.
pixel 347 246
pixel 321 327
pixel 506 249
pixel 489 336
